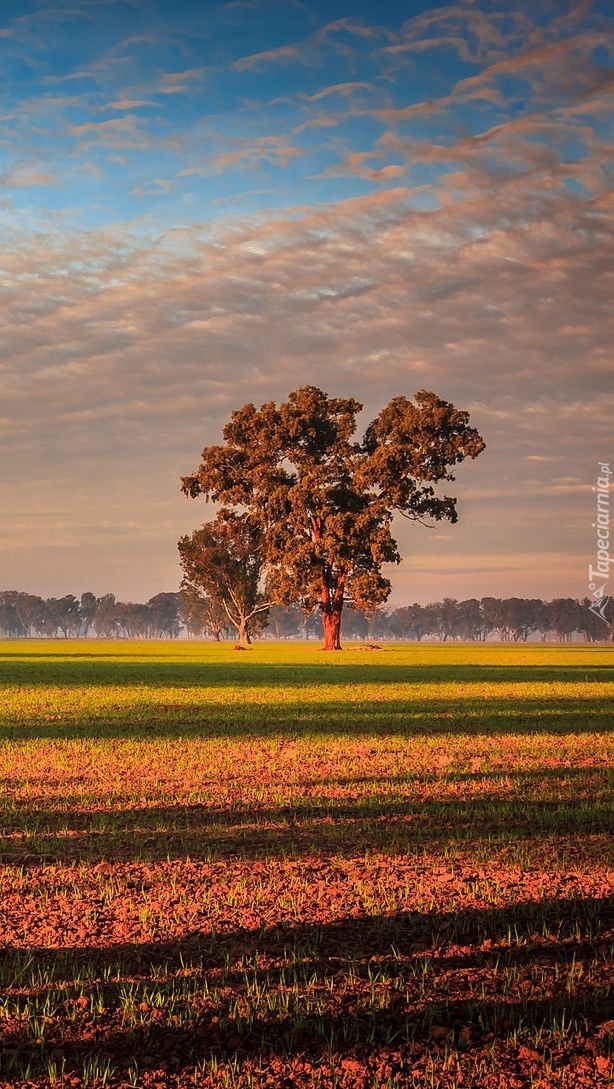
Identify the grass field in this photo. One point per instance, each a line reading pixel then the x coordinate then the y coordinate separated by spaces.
pixel 283 868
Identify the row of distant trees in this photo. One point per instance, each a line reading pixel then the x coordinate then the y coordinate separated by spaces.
pixel 170 615
pixel 27 615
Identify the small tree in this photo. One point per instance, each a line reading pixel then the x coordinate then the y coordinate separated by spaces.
pixel 323 504
pixel 596 624
pixel 201 614
pixel 9 621
pixel 285 621
pixel 106 621
pixel 223 561
pixel 567 615
pixel 63 614
pixel 164 615
pixel 87 610
pixel 29 610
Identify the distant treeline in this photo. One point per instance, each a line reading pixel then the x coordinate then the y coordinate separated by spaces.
pixel 170 615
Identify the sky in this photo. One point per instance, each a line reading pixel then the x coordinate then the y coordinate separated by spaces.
pixel 206 204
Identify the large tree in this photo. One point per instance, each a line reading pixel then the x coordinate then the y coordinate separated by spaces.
pixel 324 503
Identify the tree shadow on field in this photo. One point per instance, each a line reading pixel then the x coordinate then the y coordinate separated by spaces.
pixel 323 826
pixel 522 776
pixel 89 670
pixel 353 985
pixel 467 715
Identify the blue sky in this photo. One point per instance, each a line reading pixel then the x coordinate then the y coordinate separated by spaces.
pixel 203 204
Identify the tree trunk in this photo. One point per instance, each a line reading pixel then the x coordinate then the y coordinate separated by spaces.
pixel 331 622
pixel 331 604
pixel 243 630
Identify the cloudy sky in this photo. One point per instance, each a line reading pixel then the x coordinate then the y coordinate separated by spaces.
pixel 206 204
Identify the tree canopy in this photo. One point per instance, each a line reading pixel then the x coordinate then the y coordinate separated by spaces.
pixel 322 503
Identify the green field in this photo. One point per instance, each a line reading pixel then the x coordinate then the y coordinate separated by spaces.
pixel 287 868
